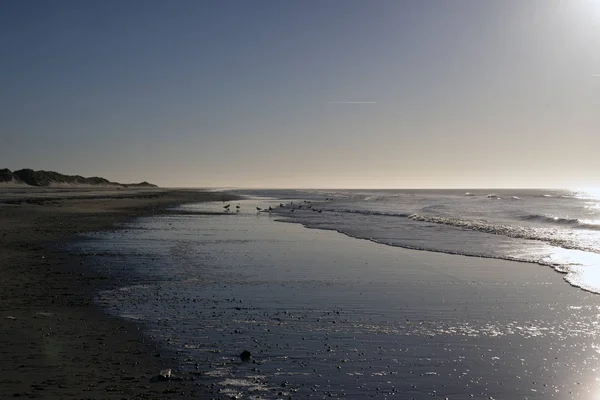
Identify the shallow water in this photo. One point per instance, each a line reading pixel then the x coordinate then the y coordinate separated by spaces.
pixel 328 315
pixel 558 228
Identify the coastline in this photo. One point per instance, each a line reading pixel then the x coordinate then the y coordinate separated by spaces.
pixel 428 323
pixel 56 343
pixel 324 314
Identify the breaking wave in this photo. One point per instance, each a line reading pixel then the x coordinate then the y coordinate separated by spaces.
pixel 547 235
pixel 572 222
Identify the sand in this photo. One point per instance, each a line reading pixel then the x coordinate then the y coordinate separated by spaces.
pixel 54 342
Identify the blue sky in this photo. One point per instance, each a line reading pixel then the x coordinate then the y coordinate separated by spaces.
pixel 460 93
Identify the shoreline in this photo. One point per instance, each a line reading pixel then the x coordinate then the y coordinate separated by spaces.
pixel 56 342
pixel 326 314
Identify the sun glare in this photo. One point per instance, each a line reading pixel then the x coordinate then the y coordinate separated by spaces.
pixel 592 7
pixel 588 193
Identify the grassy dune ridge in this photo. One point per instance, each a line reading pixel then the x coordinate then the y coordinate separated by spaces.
pixel 50 178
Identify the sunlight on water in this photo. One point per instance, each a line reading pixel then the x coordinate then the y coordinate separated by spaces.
pixel 588 194
pixel 592 205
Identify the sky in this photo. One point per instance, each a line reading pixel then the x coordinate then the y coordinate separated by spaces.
pixel 304 94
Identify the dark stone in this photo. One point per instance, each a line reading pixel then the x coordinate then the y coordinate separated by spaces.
pixel 245 356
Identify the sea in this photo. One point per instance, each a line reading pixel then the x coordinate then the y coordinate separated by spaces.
pixel 368 293
pixel 557 228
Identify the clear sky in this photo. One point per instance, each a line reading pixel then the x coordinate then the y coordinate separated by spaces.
pixel 303 93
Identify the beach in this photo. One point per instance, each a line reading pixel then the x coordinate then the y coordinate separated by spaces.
pixel 101 292
pixel 236 200
pixel 54 342
pixel 327 315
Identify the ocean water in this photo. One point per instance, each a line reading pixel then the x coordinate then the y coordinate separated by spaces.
pixel 326 314
pixel 557 228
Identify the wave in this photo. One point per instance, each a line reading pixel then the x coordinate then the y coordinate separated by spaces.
pixel 593 225
pixel 558 196
pixel 374 198
pixel 433 208
pixel 546 235
pixel 550 219
pixel 551 235
pixel 572 222
pixel 369 212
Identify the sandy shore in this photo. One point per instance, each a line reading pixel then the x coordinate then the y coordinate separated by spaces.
pixel 54 342
pixel 325 315
pixel 416 325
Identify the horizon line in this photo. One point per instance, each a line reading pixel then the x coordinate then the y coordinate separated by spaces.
pixel 351 102
pixel 372 188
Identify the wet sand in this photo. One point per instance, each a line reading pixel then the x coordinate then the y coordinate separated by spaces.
pixel 54 342
pixel 325 315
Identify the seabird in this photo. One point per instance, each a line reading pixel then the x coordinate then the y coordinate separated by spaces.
pixel 227 206
pixel 258 208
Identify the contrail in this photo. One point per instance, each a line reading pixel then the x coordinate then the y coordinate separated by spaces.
pixel 596 75
pixel 351 102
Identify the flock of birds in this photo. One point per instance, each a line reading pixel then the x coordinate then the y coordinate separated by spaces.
pixel 306 205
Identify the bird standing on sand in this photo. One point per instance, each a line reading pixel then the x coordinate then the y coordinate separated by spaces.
pixel 258 208
pixel 227 206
